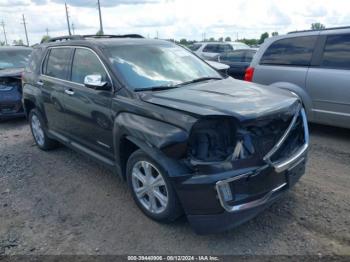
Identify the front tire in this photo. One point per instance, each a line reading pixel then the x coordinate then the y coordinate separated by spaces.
pixel 151 188
pixel 38 129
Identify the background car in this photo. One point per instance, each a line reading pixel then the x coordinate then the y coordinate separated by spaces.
pixel 12 62
pixel 222 68
pixel 315 65
pixel 238 61
pixel 211 50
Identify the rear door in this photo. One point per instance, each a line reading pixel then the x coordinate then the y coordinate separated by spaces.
pixel 328 83
pixel 53 81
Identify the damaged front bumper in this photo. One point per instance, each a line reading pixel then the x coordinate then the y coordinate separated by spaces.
pixel 220 201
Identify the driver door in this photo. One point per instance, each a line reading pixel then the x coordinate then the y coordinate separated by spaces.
pixel 89 119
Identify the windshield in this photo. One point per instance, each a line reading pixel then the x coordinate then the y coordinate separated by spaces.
pixel 14 58
pixel 149 66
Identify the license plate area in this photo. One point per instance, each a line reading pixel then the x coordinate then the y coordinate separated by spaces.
pixel 254 187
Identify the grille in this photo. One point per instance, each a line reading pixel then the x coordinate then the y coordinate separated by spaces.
pixel 7 109
pixel 294 140
pixel 266 134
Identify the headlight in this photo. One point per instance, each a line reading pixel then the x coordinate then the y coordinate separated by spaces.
pixel 212 140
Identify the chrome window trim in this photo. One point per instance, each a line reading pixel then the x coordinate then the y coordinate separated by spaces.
pixel 73 47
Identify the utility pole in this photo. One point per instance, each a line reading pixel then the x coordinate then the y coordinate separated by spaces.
pixel 25 28
pixel 47 31
pixel 67 16
pixel 100 15
pixel 73 28
pixel 3 28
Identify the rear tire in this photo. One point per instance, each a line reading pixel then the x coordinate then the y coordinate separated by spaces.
pixel 39 132
pixel 151 189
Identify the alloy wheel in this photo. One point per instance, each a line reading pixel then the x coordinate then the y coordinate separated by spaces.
pixel 149 187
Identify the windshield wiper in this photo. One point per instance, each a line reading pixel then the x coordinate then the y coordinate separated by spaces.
pixel 153 88
pixel 201 79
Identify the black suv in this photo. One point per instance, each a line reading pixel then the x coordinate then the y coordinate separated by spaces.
pixel 185 138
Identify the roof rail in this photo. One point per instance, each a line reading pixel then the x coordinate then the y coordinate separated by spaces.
pixel 114 36
pixel 63 38
pixel 82 37
pixel 325 29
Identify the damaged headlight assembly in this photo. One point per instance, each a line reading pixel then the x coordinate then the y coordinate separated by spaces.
pixel 216 140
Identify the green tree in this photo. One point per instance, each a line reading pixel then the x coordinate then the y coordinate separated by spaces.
pixel 2 43
pixel 18 42
pixel 211 39
pixel 317 26
pixel 183 41
pixel 228 39
pixel 45 38
pixel 263 37
pixel 221 39
pixel 274 34
pixel 249 42
pixel 99 32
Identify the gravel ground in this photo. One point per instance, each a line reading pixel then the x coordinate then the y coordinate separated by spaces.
pixel 60 202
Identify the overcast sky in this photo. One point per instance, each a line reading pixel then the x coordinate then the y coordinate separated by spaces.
pixel 171 18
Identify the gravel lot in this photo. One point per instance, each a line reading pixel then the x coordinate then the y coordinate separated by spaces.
pixel 60 202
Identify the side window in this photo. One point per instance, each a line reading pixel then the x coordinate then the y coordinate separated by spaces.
pixel 85 62
pixel 58 63
pixel 195 47
pixel 224 48
pixel 210 48
pixel 336 53
pixel 237 56
pixel 290 51
pixel 248 56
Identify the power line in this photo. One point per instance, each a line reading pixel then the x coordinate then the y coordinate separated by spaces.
pixel 25 28
pixel 3 28
pixel 67 16
pixel 100 15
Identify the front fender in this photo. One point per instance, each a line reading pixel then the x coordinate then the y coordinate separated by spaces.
pixel 154 134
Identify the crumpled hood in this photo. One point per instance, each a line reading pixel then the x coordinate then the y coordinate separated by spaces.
pixel 240 99
pixel 11 72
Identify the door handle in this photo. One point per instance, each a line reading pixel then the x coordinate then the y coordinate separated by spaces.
pixel 69 92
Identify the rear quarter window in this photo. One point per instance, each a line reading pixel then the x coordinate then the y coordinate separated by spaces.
pixel 296 51
pixel 336 52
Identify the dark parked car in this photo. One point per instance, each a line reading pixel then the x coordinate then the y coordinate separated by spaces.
pixel 238 60
pixel 185 139
pixel 12 62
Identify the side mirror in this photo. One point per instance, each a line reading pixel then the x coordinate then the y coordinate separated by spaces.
pixel 95 82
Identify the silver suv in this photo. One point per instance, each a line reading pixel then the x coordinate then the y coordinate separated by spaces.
pixel 315 65
pixel 212 50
